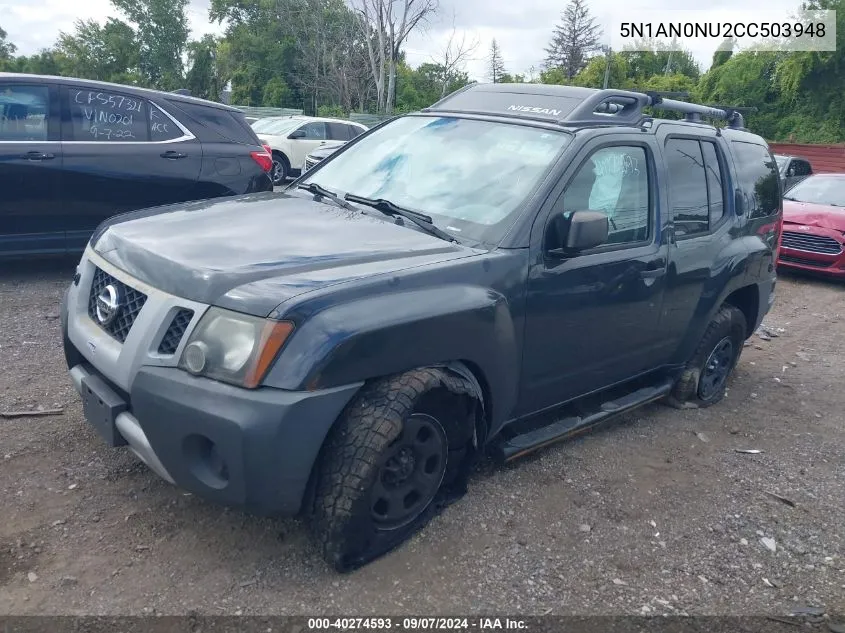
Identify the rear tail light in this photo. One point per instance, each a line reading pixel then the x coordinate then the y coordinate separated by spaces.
pixel 263 158
pixel 778 235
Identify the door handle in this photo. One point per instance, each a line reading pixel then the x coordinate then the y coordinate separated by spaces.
pixel 173 155
pixel 37 156
pixel 653 274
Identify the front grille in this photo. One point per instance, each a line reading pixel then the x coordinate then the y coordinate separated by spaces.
pixel 810 243
pixel 310 162
pixel 130 303
pixel 170 343
pixel 803 261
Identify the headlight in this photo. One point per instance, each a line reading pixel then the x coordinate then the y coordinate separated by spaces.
pixel 234 347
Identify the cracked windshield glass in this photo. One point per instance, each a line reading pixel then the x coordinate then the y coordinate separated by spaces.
pixel 470 176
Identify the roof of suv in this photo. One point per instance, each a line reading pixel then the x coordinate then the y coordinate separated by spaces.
pixel 105 85
pixel 572 106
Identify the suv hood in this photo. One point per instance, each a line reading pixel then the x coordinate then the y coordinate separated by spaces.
pixel 252 253
pixel 820 215
pixel 327 149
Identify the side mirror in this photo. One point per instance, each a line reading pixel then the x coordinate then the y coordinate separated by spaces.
pixel 297 134
pixel 577 232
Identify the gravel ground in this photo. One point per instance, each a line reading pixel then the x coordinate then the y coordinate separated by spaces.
pixel 655 514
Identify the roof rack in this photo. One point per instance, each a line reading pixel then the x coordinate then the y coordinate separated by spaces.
pixel 576 106
pixel 627 107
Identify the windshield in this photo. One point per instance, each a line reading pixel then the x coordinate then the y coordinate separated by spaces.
pixel 276 126
pixel 470 176
pixel 261 124
pixel 829 190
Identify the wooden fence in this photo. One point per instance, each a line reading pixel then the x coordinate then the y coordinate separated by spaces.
pixel 823 158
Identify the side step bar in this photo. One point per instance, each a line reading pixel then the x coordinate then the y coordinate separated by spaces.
pixel 565 428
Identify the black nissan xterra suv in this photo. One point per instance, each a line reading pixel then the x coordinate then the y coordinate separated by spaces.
pixel 496 272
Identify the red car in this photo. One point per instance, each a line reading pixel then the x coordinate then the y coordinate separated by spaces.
pixel 813 236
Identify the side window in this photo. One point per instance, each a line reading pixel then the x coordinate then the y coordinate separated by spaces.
pixel 792 169
pixel 314 131
pixel 107 116
pixel 162 127
pixel 687 187
pixel 802 168
pixel 210 123
pixel 614 180
pixel 715 182
pixel 23 113
pixel 337 131
pixel 758 176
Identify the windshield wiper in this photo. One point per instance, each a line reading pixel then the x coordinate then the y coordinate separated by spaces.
pixel 388 208
pixel 322 192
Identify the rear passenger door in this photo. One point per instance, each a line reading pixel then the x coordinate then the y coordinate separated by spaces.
pixel 121 152
pixel 30 168
pixel 702 246
pixel 339 131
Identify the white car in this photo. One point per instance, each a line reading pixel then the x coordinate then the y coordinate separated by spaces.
pixel 291 139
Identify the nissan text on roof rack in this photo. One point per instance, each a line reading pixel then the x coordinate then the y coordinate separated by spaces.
pixel 347 348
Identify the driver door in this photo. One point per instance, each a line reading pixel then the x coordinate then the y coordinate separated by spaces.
pixel 305 140
pixel 592 319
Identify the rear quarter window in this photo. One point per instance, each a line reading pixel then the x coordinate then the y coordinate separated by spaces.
pixel 228 125
pixel 758 178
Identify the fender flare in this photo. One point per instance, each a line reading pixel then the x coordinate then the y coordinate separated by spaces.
pixel 468 329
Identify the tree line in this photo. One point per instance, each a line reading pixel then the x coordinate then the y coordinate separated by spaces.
pixel 333 57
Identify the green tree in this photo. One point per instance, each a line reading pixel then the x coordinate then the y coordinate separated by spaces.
pixel 46 62
pixel 418 88
pixel 656 58
pixel 7 49
pixel 555 76
pixel 276 93
pixel 106 53
pixel 202 79
pixel 723 53
pixel 495 63
pixel 592 76
pixel 251 58
pixel 161 28
pixel 574 40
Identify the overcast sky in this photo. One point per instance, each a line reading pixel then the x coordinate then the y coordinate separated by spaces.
pixel 522 28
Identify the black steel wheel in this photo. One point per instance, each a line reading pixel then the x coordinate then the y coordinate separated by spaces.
pixel 717 368
pixel 410 476
pixel 397 455
pixel 705 378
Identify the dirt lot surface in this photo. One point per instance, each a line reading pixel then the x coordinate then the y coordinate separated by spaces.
pixel 657 514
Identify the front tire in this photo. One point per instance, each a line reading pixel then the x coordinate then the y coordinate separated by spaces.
pixel 386 464
pixel 704 380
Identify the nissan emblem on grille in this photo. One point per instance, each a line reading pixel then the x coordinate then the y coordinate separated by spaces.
pixel 108 305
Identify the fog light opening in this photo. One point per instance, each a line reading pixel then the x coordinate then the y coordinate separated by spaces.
pixel 205 461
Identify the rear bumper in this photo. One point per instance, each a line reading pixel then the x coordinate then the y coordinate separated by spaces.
pixel 250 448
